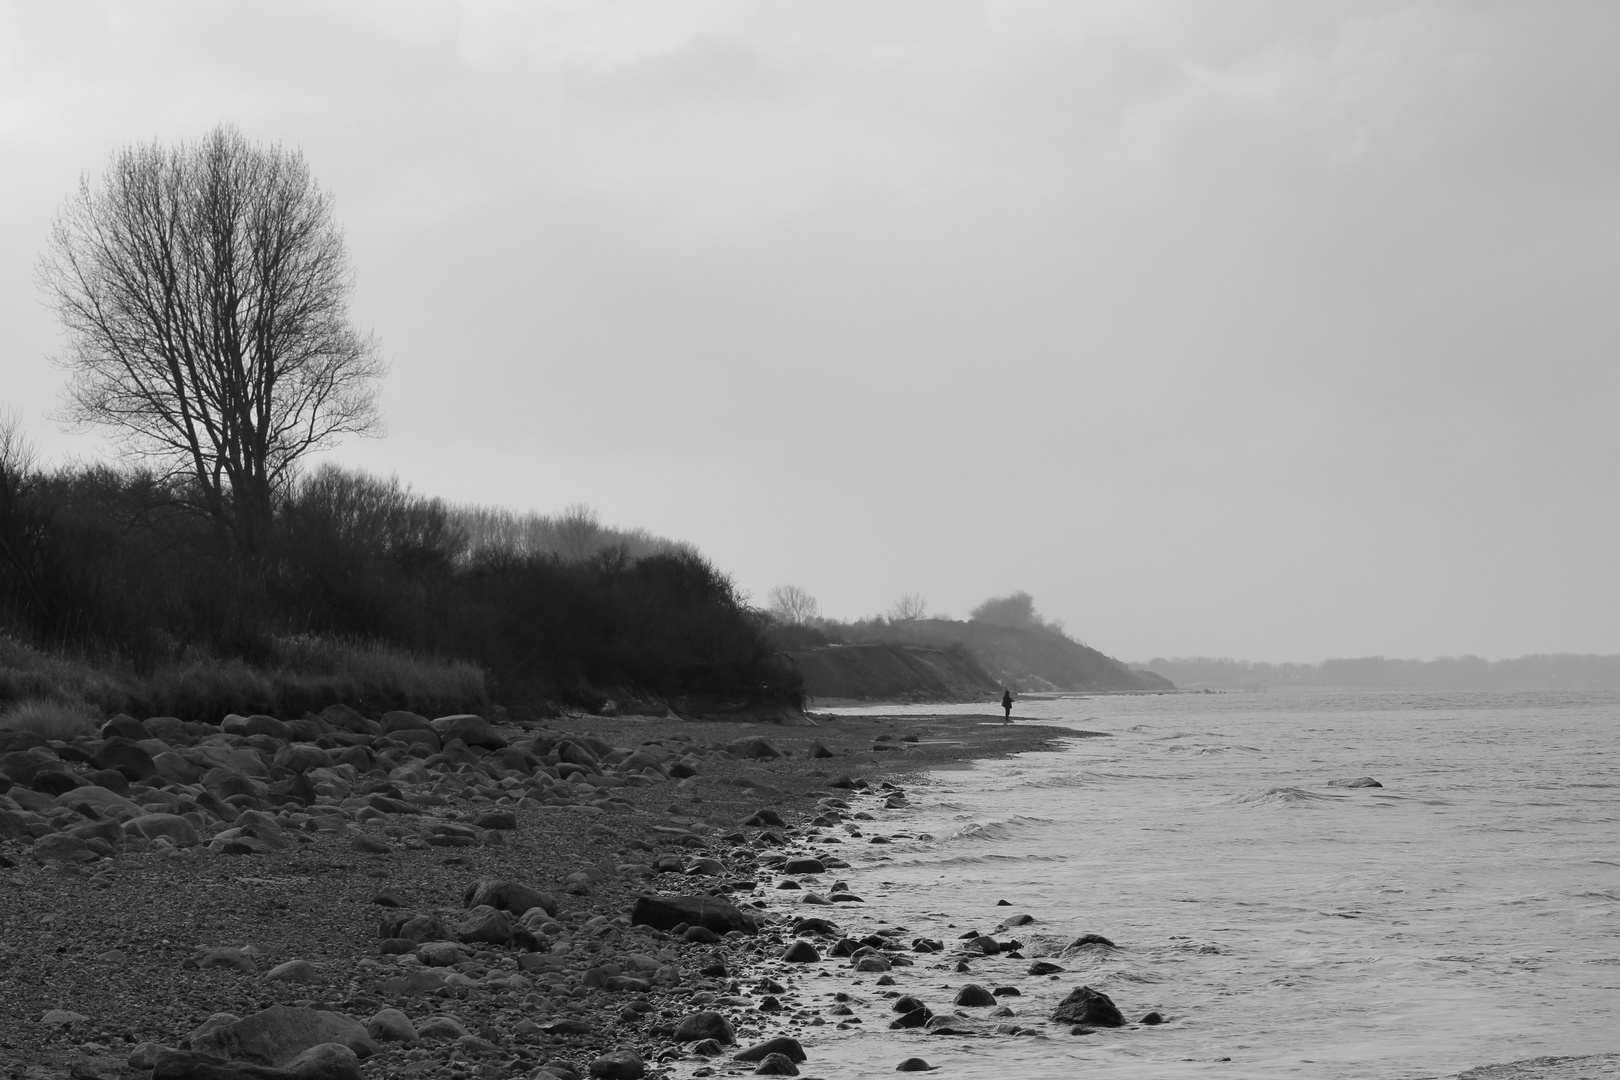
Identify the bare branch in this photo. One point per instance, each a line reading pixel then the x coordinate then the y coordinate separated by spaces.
pixel 793 605
pixel 204 290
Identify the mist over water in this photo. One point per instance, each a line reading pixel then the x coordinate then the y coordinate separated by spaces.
pixel 1467 912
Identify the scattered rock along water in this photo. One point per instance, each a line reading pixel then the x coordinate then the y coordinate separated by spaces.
pixel 1281 914
pixel 1290 884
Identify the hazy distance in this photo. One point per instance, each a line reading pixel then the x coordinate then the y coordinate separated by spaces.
pixel 1253 329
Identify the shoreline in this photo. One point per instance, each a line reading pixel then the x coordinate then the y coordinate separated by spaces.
pixel 105 963
pixel 112 957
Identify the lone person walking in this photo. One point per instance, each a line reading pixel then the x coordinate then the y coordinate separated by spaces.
pixel 1006 705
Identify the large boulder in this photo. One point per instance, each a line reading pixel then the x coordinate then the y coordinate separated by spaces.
pixel 301 757
pixel 227 783
pixel 1088 1007
pixel 786 1045
pixel 326 1061
pixel 23 765
pixel 196 1065
pixel 241 759
pixel 575 754
pixel 391 1025
pixel 171 827
pixel 54 782
pixel 413 928
pixel 126 727
pixel 260 724
pixel 755 748
pixel 401 720
pixel 470 728
pixel 345 718
pixel 105 829
pixel 63 848
pixel 115 782
pixel 279 1034
pixel 263 827
pixel 619 1065
pixel 125 756
pixel 171 766
pixel 15 825
pixel 975 996
pixel 705 1025
pixel 513 896
pixel 172 730
pixel 667 912
pixel 424 736
pixel 484 925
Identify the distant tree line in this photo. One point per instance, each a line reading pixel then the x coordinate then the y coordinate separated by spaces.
pixel 797 622
pixel 1560 670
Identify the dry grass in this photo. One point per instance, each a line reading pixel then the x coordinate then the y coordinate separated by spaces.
pixel 51 719
pixel 307 674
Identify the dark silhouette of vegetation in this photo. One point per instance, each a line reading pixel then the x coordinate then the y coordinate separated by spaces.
pixel 365 583
pixel 1016 610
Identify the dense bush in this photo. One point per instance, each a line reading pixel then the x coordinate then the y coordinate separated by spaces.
pixel 365 586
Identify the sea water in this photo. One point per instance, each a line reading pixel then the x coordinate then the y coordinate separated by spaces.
pixel 1464 913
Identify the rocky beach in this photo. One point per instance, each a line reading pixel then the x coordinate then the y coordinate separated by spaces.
pixel 338 896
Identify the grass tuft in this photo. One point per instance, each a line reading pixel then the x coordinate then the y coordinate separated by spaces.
pixel 51 719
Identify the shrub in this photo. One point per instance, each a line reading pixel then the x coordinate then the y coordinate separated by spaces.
pixel 370 595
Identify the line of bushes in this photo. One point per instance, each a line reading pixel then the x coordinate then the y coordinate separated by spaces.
pixel 115 591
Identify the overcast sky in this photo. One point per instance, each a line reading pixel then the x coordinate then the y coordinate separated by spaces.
pixel 1274 329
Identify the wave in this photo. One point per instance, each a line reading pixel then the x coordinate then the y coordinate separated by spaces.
pixel 974 860
pixel 998 830
pixel 1283 796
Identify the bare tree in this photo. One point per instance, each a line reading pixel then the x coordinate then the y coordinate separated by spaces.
pixel 791 604
pixel 910 606
pixel 578 532
pixel 204 291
